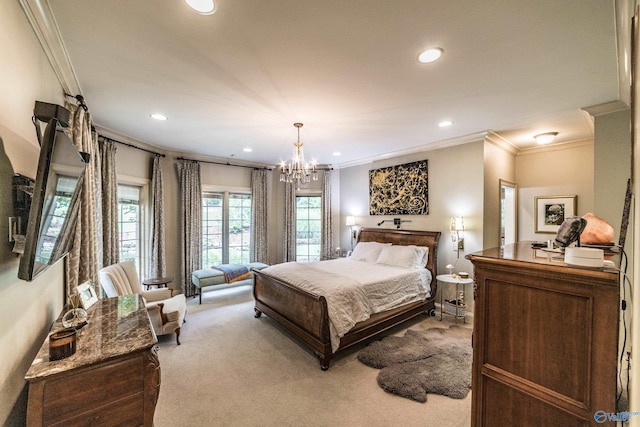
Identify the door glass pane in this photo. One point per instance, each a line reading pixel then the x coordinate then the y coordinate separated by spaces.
pixel 308 228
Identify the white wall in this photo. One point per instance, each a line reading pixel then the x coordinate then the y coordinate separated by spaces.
pixel 612 147
pixel 456 185
pixel 612 167
pixel 499 163
pixel 26 308
pixel 555 171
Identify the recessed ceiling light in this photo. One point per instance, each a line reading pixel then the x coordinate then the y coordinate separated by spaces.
pixel 445 123
pixel 545 138
pixel 158 116
pixel 247 150
pixel 336 153
pixel 204 7
pixel 430 55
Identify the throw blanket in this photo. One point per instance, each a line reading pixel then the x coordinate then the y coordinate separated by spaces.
pixel 233 272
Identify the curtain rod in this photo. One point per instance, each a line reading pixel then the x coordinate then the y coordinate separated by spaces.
pixel 225 164
pixel 241 166
pixel 131 145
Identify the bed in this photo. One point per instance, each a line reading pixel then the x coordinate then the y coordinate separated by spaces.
pixel 305 313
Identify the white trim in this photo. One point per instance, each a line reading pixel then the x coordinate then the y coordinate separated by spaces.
pixel 555 147
pixel 132 180
pixel 606 108
pixel 225 189
pixel 466 139
pixel 43 22
pixel 501 142
pixel 144 218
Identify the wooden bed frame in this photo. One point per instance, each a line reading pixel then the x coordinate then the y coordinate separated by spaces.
pixel 305 315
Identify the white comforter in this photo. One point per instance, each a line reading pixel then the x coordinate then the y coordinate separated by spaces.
pixel 355 289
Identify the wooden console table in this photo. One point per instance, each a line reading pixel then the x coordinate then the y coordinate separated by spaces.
pixel 112 379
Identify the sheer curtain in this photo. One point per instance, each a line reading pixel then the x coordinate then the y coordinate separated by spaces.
pixel 259 222
pixel 326 245
pixel 110 247
pixel 190 217
pixel 289 243
pixel 82 261
pixel 158 264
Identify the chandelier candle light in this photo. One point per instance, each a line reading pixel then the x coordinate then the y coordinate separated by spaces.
pixel 298 171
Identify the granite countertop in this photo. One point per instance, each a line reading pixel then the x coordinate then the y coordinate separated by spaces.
pixel 116 326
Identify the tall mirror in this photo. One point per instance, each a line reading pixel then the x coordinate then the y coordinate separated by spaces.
pixel 508 212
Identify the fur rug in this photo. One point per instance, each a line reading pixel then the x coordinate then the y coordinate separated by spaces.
pixel 437 360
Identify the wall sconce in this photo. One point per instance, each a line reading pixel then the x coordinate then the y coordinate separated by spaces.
pixel 396 221
pixel 457 233
pixel 351 222
pixel 14 228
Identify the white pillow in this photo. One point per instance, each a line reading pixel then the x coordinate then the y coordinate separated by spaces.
pixel 425 257
pixel 403 256
pixel 368 251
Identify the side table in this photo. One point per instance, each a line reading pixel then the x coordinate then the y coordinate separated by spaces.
pixel 157 281
pixel 446 279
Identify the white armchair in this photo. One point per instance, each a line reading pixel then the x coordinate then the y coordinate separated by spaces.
pixel 166 312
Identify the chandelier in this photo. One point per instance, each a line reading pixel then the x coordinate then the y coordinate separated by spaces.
pixel 298 171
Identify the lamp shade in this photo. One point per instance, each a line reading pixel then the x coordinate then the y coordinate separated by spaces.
pixel 351 220
pixel 457 223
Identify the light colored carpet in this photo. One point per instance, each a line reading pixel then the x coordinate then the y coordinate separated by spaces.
pixel 235 370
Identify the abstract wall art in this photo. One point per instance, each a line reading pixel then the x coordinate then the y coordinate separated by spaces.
pixel 399 190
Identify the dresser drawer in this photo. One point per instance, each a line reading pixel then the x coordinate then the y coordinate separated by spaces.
pixel 92 387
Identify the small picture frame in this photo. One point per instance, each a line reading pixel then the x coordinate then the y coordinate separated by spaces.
pixel 551 211
pixel 87 294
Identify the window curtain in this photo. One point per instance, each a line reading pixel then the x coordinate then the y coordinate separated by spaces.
pixel 289 244
pixel 110 246
pixel 326 245
pixel 259 223
pixel 82 261
pixel 158 264
pixel 190 222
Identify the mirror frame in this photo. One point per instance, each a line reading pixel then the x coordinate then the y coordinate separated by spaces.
pixel 507 184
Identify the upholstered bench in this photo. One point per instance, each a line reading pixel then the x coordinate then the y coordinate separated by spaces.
pixel 211 277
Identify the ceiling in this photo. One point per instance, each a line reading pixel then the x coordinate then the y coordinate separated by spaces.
pixel 348 70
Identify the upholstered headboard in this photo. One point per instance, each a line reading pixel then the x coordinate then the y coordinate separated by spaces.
pixel 406 237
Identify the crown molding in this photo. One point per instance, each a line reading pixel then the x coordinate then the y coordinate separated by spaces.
pixel 466 139
pixel 112 134
pixel 41 18
pixel 606 108
pixel 501 142
pixel 555 147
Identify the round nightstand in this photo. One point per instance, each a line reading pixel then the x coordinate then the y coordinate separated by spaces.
pixel 157 281
pixel 448 279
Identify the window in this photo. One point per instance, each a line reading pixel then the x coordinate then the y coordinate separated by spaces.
pixel 226 228
pixel 130 224
pixel 308 228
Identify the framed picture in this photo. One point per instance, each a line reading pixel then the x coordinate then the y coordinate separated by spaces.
pixel 551 211
pixel 400 190
pixel 87 294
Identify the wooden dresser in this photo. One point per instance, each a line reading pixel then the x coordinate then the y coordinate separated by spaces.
pixel 112 379
pixel 545 340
